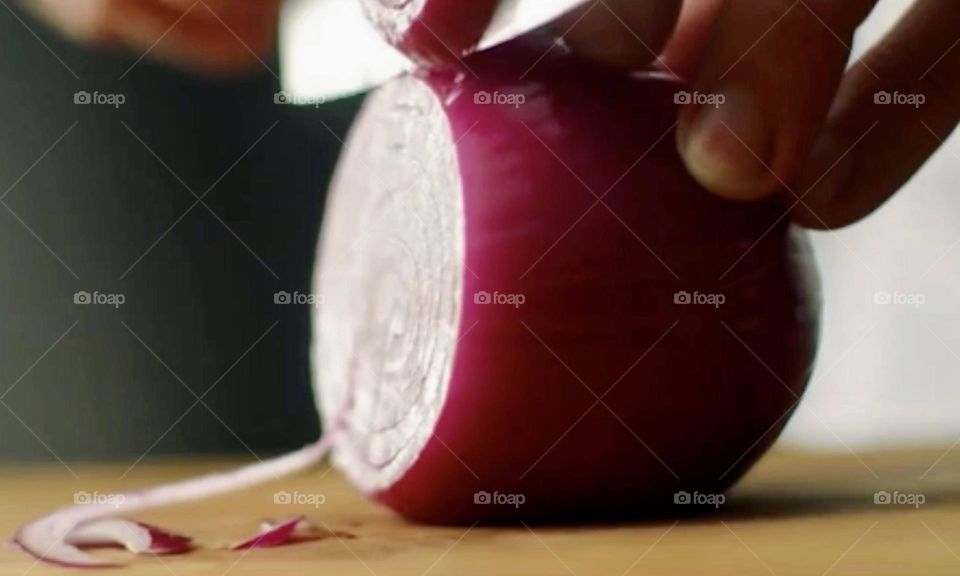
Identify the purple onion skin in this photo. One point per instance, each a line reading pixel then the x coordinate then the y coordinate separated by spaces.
pixel 692 394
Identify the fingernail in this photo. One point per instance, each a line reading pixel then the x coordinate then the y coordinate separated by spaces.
pixel 728 145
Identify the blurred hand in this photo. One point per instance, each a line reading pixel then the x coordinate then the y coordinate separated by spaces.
pixel 207 36
pixel 793 117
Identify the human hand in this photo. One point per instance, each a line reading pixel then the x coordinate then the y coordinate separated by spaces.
pixel 205 36
pixel 836 142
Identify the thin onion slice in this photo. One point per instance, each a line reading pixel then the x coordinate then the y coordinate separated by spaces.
pixel 49 538
pixel 274 534
pixel 136 537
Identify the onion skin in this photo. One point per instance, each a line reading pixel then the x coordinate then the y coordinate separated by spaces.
pixel 700 403
pixel 431 31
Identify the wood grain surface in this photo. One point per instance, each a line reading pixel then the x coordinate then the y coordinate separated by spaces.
pixel 795 514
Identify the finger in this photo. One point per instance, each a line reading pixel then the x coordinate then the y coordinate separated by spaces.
pixel 769 74
pixel 220 6
pixel 625 33
pixel 893 111
pixel 79 20
pixel 196 38
pixel 685 48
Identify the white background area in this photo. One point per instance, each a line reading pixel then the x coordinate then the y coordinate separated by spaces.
pixel 890 374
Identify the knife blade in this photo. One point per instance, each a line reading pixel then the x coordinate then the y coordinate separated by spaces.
pixel 329 50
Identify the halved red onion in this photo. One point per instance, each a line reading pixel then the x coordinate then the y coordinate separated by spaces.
pixel 55 538
pixel 537 312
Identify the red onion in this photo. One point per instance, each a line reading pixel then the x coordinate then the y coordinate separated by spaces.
pixel 507 266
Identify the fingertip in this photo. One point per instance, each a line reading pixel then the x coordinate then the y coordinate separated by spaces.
pixel 622 33
pixel 727 144
pixel 827 174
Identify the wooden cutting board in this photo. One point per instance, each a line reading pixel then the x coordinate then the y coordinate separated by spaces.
pixel 795 514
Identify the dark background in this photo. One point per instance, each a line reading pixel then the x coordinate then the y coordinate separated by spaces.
pixel 76 382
